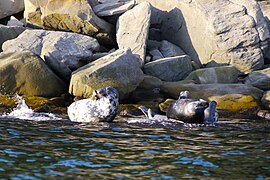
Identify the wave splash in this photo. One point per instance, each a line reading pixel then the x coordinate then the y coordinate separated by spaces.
pixel 22 111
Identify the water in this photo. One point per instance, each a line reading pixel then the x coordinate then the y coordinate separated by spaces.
pixel 38 148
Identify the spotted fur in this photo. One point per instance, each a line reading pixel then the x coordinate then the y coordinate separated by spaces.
pixel 101 106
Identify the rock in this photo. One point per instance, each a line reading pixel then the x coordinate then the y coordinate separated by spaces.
pixel 62 51
pixel 259 79
pixel 132 29
pixel 170 50
pixel 129 110
pixel 150 82
pixel 109 8
pixel 227 32
pixel 207 91
pixel 15 22
pixel 224 74
pixel 238 103
pixel 155 34
pixel 166 104
pixel 70 15
pixel 169 69
pixel 120 70
pixel 156 54
pixel 265 7
pixel 25 73
pixel 266 100
pixel 10 7
pixel 143 95
pixel 9 32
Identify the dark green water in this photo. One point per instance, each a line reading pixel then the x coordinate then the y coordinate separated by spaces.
pixel 236 149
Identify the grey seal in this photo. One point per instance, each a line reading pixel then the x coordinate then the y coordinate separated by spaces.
pixel 190 110
pixel 101 106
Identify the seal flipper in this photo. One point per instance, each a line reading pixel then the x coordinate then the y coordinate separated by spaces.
pixel 149 114
pixel 210 114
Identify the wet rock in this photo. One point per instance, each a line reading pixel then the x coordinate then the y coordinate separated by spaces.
pixel 150 82
pixel 224 74
pixel 129 110
pixel 120 70
pixel 9 32
pixel 169 69
pixel 259 79
pixel 113 7
pixel 37 104
pixel 206 91
pixel 266 100
pixel 62 51
pixel 70 15
pixel 237 103
pixel 227 32
pixel 166 104
pixel 10 7
pixel 132 29
pixel 25 73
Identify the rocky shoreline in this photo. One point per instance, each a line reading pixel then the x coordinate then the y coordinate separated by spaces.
pixel 149 50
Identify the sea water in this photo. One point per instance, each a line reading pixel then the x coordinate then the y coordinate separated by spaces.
pixel 42 145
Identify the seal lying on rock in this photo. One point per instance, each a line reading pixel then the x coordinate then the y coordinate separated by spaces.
pixel 187 110
pixel 101 106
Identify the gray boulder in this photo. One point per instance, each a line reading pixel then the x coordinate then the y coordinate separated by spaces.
pixel 63 51
pixel 266 100
pixel 10 7
pixel 259 79
pixel 9 32
pixel 208 91
pixel 150 82
pixel 223 74
pixel 169 69
pixel 170 50
pixel 120 69
pixel 113 7
pixel 71 15
pixel 227 32
pixel 132 29
pixel 25 73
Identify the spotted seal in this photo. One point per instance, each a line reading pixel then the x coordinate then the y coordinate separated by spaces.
pixel 187 110
pixel 101 106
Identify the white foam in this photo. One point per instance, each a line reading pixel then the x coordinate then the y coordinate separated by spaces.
pixel 22 111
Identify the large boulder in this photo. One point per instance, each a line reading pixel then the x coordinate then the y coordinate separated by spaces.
pixel 9 32
pixel 208 91
pixel 9 7
pixel 150 82
pixel 113 7
pixel 132 29
pixel 68 15
pixel 169 69
pixel 223 74
pixel 120 70
pixel 25 73
pixel 224 31
pixel 259 79
pixel 63 51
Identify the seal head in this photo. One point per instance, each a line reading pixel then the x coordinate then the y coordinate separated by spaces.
pixel 101 106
